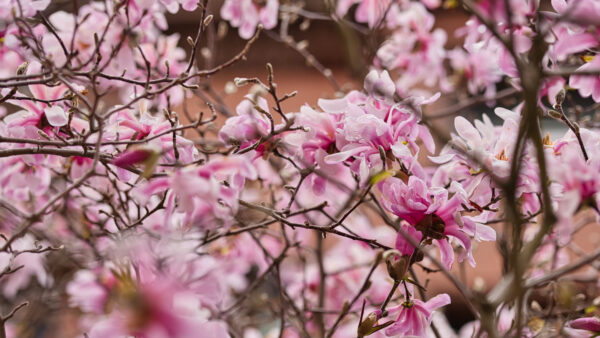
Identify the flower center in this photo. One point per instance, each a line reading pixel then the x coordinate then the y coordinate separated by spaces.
pixel 432 226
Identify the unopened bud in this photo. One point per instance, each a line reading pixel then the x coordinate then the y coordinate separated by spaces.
pixel 206 53
pixel 478 284
pixel 22 68
pixel 397 264
pixel 381 153
pixel 365 328
pixel 190 41
pixel 575 127
pixel 240 81
pixel 222 29
pixel 230 88
pixel 208 20
pixel 302 45
pixel 536 306
pixel 131 157
pixel 257 90
pixel 560 97
pixel 305 25
pixel 554 114
pixel 43 134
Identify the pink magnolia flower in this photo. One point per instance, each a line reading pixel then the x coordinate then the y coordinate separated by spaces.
pixel 32 265
pixel 550 256
pixel 138 125
pixel 348 261
pixel 24 8
pixel 11 51
pixel 489 144
pixel 415 49
pixel 575 173
pixel 248 126
pixel 380 85
pixel 38 115
pixel 247 14
pixel 200 192
pixel 506 318
pixel 24 177
pixel 370 127
pixel 311 144
pixel 434 214
pixel 520 10
pixel 370 12
pixel 588 85
pixel 478 59
pixel 83 41
pixel 79 166
pixel 156 309
pixel 584 12
pixel 576 180
pixel 159 52
pixel 571 39
pixel 87 293
pixel 414 316
pixel 550 87
pixel 173 5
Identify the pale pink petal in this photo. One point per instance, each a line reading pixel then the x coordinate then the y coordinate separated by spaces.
pixel 56 116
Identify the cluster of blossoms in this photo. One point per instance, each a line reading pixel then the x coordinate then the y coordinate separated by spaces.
pixel 147 218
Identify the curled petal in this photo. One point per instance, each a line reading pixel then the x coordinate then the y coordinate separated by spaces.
pixel 56 116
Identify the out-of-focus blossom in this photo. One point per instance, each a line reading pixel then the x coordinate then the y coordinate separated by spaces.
pixel 21 8
pixel 414 316
pixel 587 323
pixel 246 15
pixel 26 265
pixel 588 85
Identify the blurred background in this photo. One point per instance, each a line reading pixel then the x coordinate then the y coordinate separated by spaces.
pixel 344 53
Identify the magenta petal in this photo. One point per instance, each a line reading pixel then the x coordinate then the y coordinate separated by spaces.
pixel 129 158
pixel 402 244
pixel 587 323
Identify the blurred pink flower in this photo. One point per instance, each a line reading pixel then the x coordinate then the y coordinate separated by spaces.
pixel 586 323
pixel 588 85
pixel 247 14
pixel 414 316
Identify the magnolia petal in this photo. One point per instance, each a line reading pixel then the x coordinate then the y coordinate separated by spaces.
pixel 56 116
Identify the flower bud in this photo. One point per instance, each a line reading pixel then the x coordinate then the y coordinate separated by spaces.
pixel 560 97
pixel 586 323
pixel 240 81
pixel 131 157
pixel 302 45
pixel 208 20
pixel 22 68
pixel 365 328
pixel 554 114
pixel 396 263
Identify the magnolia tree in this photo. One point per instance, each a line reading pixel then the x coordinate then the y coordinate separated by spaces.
pixel 127 211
